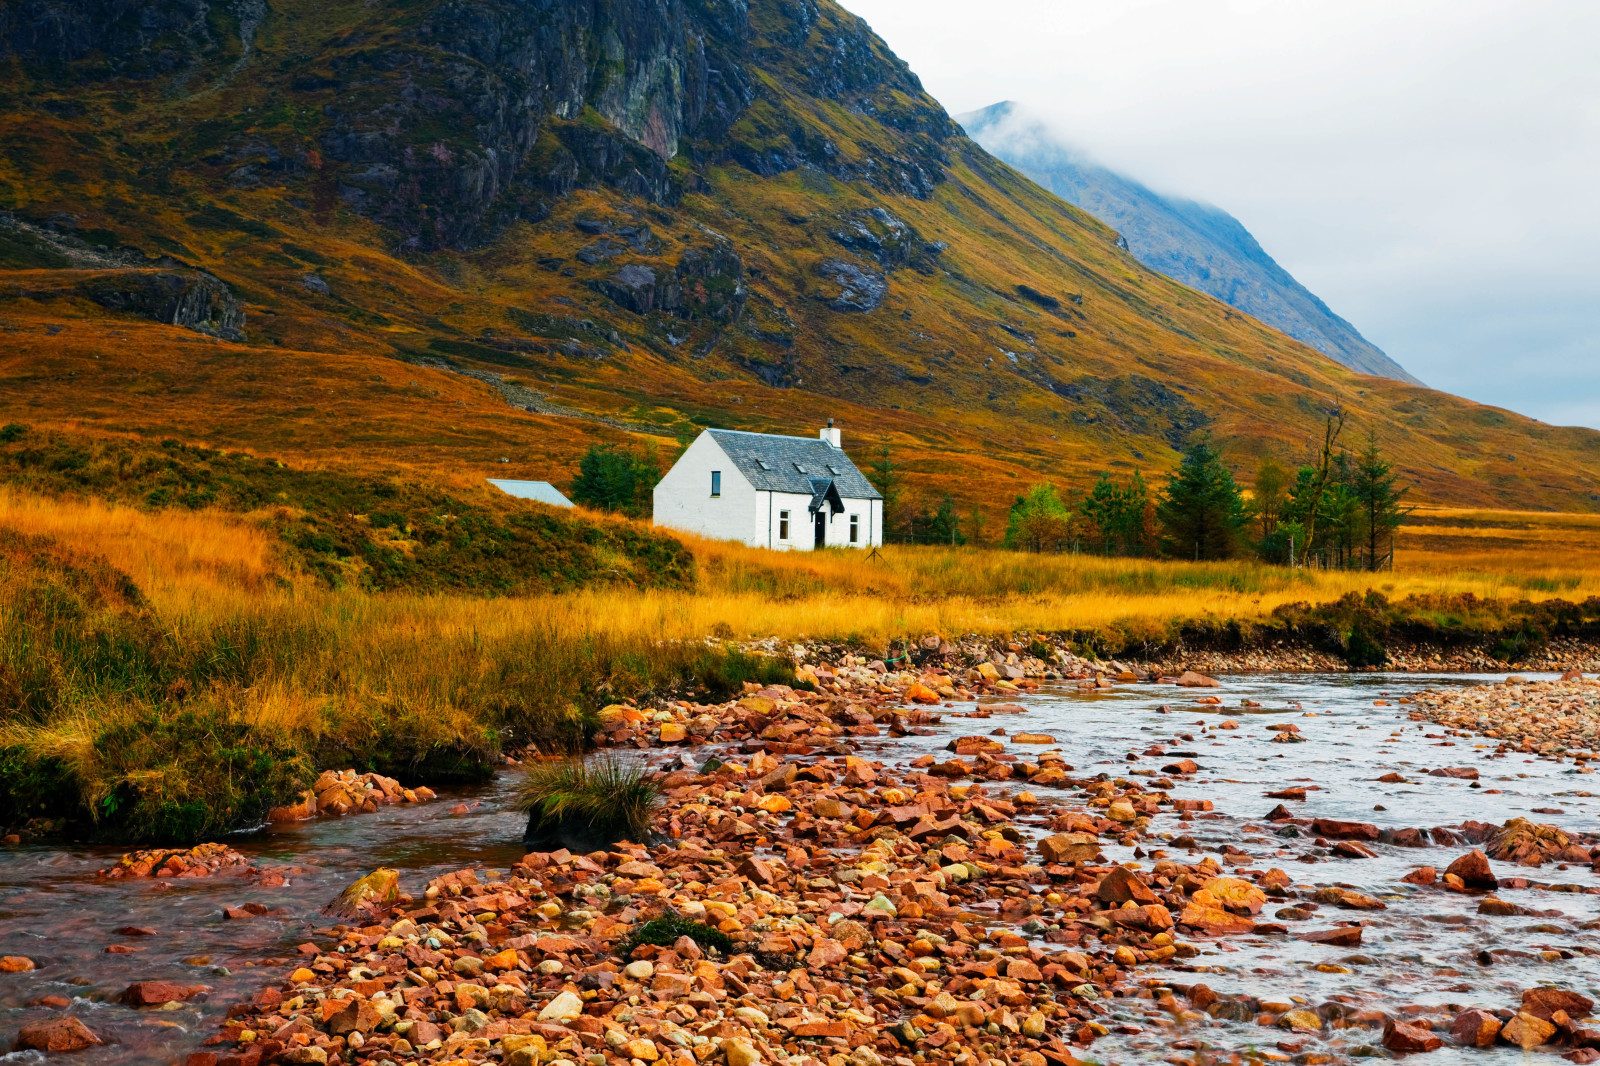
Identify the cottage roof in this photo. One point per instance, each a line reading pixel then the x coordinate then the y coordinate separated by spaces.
pixel 790 464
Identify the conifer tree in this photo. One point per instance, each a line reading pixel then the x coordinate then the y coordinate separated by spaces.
pixel 1202 513
pixel 1375 489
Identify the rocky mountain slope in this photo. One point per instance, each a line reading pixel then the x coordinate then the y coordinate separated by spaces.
pixel 472 236
pixel 1197 244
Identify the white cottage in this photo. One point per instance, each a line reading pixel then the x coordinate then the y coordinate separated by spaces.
pixel 786 493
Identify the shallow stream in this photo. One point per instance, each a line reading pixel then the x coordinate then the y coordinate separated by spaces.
pixel 1422 951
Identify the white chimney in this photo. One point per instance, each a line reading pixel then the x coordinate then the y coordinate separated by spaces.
pixel 830 434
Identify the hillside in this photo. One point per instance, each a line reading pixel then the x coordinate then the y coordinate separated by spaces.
pixel 1197 244
pixel 472 238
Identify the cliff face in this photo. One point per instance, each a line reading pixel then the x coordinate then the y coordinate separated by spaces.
pixel 1199 245
pixel 591 216
pixel 462 117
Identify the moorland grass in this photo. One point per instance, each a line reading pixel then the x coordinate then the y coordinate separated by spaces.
pixel 169 673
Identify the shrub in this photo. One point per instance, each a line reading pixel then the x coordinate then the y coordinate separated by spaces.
pixel 665 931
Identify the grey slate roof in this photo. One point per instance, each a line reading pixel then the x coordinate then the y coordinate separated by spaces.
pixel 770 463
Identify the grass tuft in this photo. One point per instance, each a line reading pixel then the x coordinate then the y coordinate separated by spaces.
pixel 599 798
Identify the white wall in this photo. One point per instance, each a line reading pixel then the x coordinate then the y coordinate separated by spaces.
pixel 683 497
pixel 683 501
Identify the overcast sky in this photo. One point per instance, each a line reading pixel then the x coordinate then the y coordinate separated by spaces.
pixel 1430 168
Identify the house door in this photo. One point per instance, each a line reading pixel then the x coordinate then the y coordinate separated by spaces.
pixel 822 529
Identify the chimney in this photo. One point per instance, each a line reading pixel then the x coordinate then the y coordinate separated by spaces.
pixel 830 434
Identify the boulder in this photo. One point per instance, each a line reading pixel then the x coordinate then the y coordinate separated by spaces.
pixel 1069 847
pixel 155 993
pixel 1334 829
pixel 1527 1031
pixel 1190 679
pixel 1121 886
pixel 1406 1038
pixel 1473 870
pixel 1475 1028
pixel 1345 936
pixel 56 1034
pixel 1542 1002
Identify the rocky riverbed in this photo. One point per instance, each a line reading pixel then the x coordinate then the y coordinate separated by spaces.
pixel 978 866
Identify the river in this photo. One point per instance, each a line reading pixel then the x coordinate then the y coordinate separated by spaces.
pixel 1423 951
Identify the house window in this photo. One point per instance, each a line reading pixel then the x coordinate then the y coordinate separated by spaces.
pixel 783 525
pixel 855 529
pixel 716 483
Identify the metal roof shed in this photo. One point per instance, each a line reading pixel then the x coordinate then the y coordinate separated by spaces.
pixel 542 491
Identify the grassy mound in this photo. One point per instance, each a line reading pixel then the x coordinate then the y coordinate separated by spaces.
pixel 378 533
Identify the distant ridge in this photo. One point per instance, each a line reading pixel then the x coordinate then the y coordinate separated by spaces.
pixel 1199 245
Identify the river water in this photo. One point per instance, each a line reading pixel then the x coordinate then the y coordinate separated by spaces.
pixel 1421 953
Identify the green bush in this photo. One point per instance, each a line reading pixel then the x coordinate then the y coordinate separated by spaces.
pixel 665 931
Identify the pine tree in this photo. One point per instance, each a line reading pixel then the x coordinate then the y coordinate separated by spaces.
pixel 1202 513
pixel 615 479
pixel 1271 479
pixel 1118 515
pixel 1374 487
pixel 944 527
pixel 885 475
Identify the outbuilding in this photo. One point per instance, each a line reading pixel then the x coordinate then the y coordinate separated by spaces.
pixel 771 491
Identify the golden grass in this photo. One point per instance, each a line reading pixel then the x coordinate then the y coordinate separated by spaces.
pixel 294 669
pixel 167 553
pixel 204 569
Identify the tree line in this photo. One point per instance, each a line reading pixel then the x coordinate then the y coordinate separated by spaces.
pixel 1339 510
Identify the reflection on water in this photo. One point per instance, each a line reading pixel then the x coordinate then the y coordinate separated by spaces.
pixel 1423 950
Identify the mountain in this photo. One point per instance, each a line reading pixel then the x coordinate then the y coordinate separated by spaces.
pixel 1201 246
pixel 469 238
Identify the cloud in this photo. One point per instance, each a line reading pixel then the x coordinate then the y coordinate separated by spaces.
pixel 1428 168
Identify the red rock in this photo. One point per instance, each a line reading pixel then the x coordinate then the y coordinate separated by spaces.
pixel 1182 766
pixel 1473 870
pixel 155 993
pixel 1402 1037
pixel 1466 773
pixel 1392 778
pixel 1423 875
pixel 57 1034
pixel 1121 886
pixel 1542 1002
pixel 1190 679
pixel 825 952
pixel 1287 794
pixel 1280 813
pixel 1475 1028
pixel 15 964
pixel 1352 849
pixel 1337 830
pixel 135 930
pixel 1345 936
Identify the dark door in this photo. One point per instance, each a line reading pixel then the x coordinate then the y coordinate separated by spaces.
pixel 822 529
